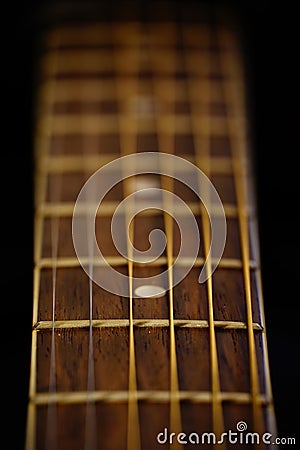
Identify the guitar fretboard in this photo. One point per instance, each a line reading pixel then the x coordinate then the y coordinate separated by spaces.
pixel 113 371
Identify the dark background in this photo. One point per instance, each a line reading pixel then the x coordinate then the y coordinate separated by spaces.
pixel 272 52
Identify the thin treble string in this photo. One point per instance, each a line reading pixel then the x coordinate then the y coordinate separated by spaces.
pixel 51 428
pixel 128 144
pixel 90 440
pixel 133 424
pixel 55 196
pixel 236 126
pixel 202 155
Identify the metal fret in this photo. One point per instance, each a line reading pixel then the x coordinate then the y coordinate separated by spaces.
pixel 120 261
pixel 100 90
pixel 184 323
pixel 146 396
pixel 65 209
pixel 72 163
pixel 98 123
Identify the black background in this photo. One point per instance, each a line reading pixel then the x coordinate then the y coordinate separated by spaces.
pixel 272 53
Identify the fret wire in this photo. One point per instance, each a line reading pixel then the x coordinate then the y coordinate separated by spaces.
pixel 237 137
pixel 194 397
pixel 202 151
pixel 128 144
pixel 99 61
pixel 101 33
pixel 69 90
pixel 93 123
pixel 69 262
pixel 144 323
pixel 91 33
pixel 74 163
pixel 65 209
pixel 104 70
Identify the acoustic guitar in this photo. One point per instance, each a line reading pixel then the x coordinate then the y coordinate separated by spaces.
pixel 148 316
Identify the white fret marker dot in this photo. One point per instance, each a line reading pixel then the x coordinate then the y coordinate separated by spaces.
pixel 148 290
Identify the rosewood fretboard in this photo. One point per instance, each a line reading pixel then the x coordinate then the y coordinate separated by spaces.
pixel 111 372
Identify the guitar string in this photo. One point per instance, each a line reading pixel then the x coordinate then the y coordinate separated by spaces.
pixel 270 411
pixel 55 191
pixel 234 93
pixel 90 437
pixel 128 145
pixel 41 144
pixel 202 156
pixel 166 142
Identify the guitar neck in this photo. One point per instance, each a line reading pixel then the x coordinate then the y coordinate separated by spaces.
pixel 136 341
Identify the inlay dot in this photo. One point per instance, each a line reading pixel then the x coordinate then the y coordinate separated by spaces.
pixel 148 291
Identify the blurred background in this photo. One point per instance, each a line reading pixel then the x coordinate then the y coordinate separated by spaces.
pixel 271 53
